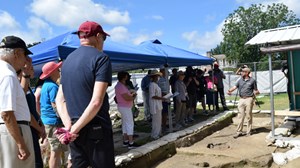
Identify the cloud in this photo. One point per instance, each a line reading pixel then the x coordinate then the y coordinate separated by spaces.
pixel 119 34
pixel 157 33
pixel 32 33
pixel 210 18
pixel 38 25
pixel 157 17
pixel 140 38
pixel 144 37
pixel 202 43
pixel 293 5
pixel 8 22
pixel 71 13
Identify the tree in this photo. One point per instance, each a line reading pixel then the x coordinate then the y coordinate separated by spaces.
pixel 243 24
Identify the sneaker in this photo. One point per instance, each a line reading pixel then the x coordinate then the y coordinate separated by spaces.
pixel 226 109
pixel 178 126
pixel 237 135
pixel 125 143
pixel 190 119
pixel 133 145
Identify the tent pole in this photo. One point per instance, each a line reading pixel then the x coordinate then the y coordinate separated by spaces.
pixel 292 77
pixel 169 108
pixel 271 94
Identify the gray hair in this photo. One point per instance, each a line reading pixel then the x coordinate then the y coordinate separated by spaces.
pixel 6 52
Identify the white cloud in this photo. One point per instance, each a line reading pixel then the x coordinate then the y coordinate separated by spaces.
pixel 32 33
pixel 140 38
pixel 202 43
pixel 119 34
pixel 210 18
pixel 71 13
pixel 157 17
pixel 8 22
pixel 144 37
pixel 157 34
pixel 39 26
pixel 293 5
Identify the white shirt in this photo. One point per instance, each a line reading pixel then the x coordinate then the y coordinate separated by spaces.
pixel 12 96
pixel 155 104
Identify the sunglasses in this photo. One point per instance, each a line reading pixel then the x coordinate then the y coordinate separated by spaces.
pixel 104 37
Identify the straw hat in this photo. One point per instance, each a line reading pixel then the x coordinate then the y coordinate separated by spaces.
pixel 155 73
pixel 49 68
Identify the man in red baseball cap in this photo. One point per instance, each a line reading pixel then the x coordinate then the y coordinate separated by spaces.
pixel 90 28
pixel 82 100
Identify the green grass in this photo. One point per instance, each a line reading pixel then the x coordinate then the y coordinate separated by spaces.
pixel 281 101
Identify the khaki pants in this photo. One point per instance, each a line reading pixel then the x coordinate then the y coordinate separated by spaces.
pixel 180 112
pixel 245 110
pixel 9 150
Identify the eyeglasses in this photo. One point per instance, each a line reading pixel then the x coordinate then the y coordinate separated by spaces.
pixel 104 37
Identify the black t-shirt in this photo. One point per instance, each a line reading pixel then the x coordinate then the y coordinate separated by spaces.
pixel 202 84
pixel 80 71
pixel 192 87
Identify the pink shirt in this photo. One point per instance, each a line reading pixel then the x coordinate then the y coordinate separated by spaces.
pixel 209 81
pixel 120 89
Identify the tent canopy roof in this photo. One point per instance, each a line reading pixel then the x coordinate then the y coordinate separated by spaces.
pixel 153 54
pixel 279 36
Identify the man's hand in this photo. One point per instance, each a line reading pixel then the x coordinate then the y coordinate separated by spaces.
pixel 23 152
pixel 65 136
pixel 42 133
pixel 229 92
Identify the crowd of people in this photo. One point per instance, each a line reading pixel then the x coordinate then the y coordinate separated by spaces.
pixel 71 113
pixel 192 86
pixel 68 113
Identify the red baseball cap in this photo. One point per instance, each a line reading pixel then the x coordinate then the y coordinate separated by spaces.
pixel 48 68
pixel 90 28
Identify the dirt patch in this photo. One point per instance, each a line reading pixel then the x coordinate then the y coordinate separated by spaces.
pixel 221 150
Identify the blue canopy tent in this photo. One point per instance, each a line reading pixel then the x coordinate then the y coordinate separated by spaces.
pixel 175 56
pixel 123 57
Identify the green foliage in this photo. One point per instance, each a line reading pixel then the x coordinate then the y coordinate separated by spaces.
pixel 244 23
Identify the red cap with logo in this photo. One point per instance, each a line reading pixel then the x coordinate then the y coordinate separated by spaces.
pixel 90 28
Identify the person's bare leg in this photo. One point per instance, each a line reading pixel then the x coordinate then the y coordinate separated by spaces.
pixel 54 161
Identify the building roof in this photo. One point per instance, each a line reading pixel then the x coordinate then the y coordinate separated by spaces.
pixel 278 36
pixel 219 56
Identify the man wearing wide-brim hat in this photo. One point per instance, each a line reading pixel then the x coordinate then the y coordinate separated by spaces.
pixel 155 102
pixel 51 73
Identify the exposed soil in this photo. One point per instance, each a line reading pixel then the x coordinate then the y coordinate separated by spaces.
pixel 223 151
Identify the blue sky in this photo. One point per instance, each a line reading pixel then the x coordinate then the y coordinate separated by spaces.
pixel 193 25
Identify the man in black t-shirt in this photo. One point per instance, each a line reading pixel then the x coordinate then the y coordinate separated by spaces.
pixel 82 100
pixel 192 84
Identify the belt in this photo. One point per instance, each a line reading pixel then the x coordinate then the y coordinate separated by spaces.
pixel 21 122
pixel 245 97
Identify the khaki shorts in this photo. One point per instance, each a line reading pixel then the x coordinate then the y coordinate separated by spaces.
pixel 55 145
